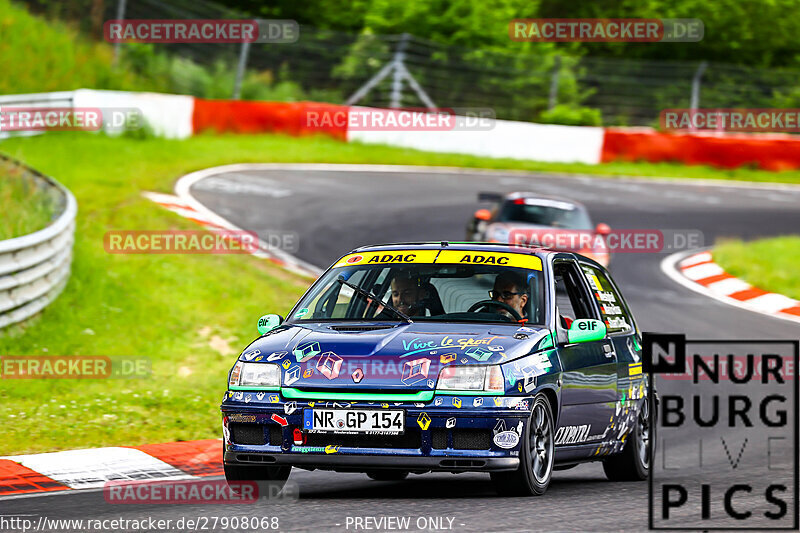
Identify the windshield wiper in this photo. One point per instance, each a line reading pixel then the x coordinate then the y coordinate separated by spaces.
pixel 369 295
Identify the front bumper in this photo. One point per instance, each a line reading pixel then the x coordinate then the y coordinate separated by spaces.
pixel 448 433
pixel 358 463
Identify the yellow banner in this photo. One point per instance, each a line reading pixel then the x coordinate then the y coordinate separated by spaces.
pixel 460 257
pixel 469 257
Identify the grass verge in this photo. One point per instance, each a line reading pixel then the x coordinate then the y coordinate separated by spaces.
pixel 189 314
pixel 64 60
pixel 769 264
pixel 26 206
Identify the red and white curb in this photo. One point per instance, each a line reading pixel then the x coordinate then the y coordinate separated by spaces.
pixel 186 206
pixel 698 272
pixel 92 468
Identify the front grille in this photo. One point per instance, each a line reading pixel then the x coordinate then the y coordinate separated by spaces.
pixel 247 433
pixel 275 436
pixel 409 439
pixel 439 439
pixel 472 439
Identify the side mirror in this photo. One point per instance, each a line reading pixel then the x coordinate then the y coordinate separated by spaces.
pixel 483 214
pixel 269 322
pixel 586 330
pixel 602 229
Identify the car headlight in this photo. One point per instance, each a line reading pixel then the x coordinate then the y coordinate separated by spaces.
pixel 471 378
pixel 255 375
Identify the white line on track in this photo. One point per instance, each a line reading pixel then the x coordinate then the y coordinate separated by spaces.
pixel 330 167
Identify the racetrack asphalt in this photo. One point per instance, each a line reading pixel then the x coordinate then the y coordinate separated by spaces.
pixel 332 212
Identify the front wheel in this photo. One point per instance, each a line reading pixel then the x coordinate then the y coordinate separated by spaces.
pixel 270 479
pixel 633 463
pixel 536 455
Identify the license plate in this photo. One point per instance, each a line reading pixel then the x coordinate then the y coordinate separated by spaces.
pixel 354 421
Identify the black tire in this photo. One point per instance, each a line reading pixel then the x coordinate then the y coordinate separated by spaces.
pixel 633 463
pixel 537 451
pixel 387 475
pixel 270 479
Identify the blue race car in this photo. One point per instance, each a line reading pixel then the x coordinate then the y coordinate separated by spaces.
pixel 448 357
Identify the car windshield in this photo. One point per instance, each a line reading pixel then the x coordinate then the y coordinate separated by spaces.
pixel 544 212
pixel 428 292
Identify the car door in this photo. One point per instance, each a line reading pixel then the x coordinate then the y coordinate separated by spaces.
pixel 621 331
pixel 589 379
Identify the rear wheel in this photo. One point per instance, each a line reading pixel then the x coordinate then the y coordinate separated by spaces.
pixel 387 475
pixel 270 479
pixel 633 464
pixel 536 455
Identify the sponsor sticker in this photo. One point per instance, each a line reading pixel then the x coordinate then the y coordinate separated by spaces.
pixel 388 257
pixel 572 434
pixel 280 420
pixel 506 440
pixel 490 258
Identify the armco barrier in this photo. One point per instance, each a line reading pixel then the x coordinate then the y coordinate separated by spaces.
pixel 35 267
pixel 59 99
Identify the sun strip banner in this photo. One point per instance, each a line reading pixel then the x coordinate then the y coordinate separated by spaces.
pixel 470 257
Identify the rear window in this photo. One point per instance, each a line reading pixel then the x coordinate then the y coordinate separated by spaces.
pixel 545 213
pixel 612 306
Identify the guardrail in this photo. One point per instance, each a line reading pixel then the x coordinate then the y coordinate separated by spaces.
pixel 57 99
pixel 35 268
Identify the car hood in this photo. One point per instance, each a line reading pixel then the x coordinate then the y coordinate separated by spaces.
pixel 386 356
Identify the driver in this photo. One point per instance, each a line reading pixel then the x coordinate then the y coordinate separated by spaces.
pixel 409 293
pixel 509 288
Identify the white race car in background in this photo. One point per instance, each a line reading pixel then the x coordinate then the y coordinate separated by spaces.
pixel 537 220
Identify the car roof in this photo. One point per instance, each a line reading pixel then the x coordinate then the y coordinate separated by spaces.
pixel 536 196
pixel 542 253
pixel 466 246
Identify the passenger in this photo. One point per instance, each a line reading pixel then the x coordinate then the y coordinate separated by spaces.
pixel 409 293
